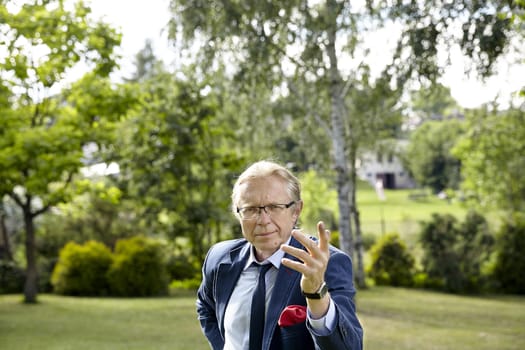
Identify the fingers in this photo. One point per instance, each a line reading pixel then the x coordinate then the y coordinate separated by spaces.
pixel 296 265
pixel 324 236
pixel 314 258
pixel 313 261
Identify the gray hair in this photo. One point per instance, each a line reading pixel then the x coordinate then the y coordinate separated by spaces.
pixel 266 168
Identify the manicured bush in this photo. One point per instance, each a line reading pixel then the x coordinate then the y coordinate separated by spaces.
pixel 510 262
pixel 391 264
pixel 139 268
pixel 82 269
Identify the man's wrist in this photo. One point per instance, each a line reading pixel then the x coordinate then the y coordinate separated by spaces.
pixel 318 294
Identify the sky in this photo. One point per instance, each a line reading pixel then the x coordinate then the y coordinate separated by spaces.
pixel 140 20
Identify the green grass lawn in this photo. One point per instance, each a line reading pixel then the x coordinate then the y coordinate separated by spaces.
pixel 392 318
pixel 400 213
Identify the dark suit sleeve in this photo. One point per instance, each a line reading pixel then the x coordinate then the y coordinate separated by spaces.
pixel 348 333
pixel 206 306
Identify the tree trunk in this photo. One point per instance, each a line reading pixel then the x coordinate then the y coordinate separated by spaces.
pixel 338 139
pixel 360 272
pixel 5 237
pixel 31 283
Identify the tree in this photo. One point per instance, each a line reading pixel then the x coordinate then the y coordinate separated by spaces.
pixel 434 103
pixel 261 36
pixel 42 132
pixel 175 163
pixel 273 43
pixel 483 30
pixel 510 261
pixel 491 154
pixel 97 212
pixel 146 63
pixel 454 252
pixel 429 156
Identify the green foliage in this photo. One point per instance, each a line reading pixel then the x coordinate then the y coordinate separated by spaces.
pixel 433 102
pixel 96 211
pixel 428 155
pixel 176 162
pixel 42 130
pixel 368 240
pixel 136 268
pixel 491 154
pixel 440 261
pixel 391 262
pixel 510 261
pixel 320 201
pixel 11 277
pixel 182 267
pixel 81 269
pixel 485 30
pixel 454 252
pixel 139 268
pixel 184 286
pixel 474 247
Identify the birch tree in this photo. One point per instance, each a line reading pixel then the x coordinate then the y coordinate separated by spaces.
pixel 272 42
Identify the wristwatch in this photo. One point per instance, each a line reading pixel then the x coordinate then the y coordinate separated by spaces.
pixel 321 292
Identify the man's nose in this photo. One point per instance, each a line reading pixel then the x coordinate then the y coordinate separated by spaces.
pixel 264 216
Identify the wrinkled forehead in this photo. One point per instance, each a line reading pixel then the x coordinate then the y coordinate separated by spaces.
pixel 262 190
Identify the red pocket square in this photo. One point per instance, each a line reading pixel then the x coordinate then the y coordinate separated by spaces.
pixel 291 315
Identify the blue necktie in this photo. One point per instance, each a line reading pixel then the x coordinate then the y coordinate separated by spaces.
pixel 258 309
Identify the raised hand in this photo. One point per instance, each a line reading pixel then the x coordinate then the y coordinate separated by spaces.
pixel 312 265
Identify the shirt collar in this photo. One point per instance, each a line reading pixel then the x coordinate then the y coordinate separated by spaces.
pixel 274 259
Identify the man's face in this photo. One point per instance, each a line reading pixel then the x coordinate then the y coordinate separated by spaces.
pixel 267 232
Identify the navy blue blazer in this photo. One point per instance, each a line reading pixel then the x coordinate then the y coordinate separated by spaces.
pixel 221 270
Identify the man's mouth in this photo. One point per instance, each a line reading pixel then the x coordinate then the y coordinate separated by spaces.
pixel 264 234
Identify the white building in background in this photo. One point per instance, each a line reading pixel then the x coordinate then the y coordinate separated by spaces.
pixel 385 165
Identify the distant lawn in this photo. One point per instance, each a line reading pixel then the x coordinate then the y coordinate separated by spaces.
pixel 400 212
pixel 393 319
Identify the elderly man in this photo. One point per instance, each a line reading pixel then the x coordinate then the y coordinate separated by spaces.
pixel 276 288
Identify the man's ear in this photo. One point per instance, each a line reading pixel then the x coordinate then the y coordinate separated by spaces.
pixel 297 209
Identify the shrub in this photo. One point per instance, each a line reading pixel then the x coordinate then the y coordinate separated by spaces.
pixel 182 267
pixel 454 253
pixel 184 286
pixel 510 261
pixel 440 260
pixel 11 278
pixel 139 268
pixel 391 263
pixel 474 247
pixel 368 240
pixel 81 269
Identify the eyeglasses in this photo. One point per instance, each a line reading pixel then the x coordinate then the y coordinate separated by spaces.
pixel 252 213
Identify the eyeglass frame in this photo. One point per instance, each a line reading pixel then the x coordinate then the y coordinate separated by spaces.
pixel 264 208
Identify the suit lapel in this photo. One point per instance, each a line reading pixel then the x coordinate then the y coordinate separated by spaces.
pixel 228 273
pixel 286 280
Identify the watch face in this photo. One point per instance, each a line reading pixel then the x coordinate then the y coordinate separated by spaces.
pixel 323 290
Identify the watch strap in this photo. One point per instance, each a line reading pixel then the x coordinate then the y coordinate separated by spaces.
pixel 319 294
